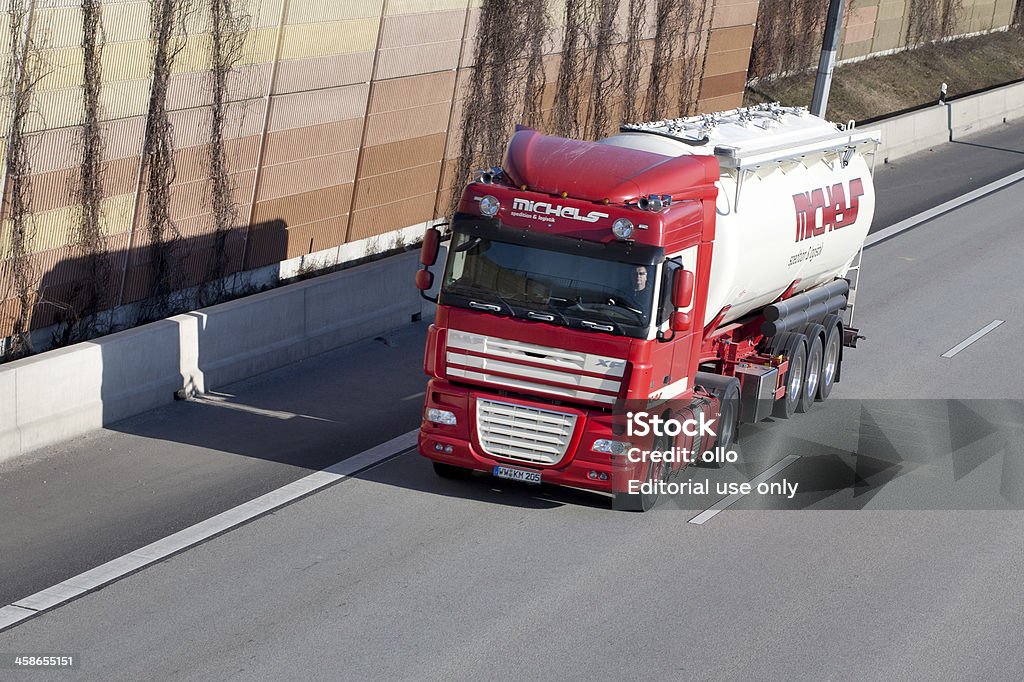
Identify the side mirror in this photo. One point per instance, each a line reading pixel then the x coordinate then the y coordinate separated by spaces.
pixel 431 245
pixel 682 289
pixel 680 322
pixel 424 280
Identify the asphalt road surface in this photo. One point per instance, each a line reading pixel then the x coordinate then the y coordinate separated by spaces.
pixel 396 574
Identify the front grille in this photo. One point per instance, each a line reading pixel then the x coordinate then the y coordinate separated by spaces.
pixel 526 434
pixel 534 369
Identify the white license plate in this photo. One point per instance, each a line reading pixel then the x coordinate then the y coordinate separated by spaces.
pixel 517 474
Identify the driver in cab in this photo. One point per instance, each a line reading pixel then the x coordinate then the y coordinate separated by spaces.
pixel 638 279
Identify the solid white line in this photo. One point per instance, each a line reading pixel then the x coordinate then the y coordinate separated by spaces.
pixel 972 338
pixel 726 502
pixel 414 395
pixel 9 615
pixel 912 221
pixel 204 530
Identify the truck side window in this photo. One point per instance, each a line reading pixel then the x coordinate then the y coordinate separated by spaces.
pixel 665 310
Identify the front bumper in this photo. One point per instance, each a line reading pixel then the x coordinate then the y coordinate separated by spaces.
pixel 579 468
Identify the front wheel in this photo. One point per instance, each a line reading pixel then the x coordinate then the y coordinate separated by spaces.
pixel 641 501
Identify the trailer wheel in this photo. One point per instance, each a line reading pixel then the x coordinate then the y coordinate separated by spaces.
pixel 451 471
pixel 814 333
pixel 794 347
pixel 832 355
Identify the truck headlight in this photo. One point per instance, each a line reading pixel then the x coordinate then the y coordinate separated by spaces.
pixel 622 228
pixel 611 447
pixel 441 417
pixel 489 206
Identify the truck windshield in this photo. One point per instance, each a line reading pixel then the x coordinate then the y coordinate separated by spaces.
pixel 540 284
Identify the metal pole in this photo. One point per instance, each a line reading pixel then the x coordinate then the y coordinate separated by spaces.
pixel 829 45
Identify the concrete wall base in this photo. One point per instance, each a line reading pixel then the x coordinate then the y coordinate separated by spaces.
pixel 54 396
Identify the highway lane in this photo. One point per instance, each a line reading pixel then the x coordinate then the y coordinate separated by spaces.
pixel 70 508
pixel 398 574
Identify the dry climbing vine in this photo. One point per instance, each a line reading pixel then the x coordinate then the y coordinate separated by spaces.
pixel 600 76
pixel 569 110
pixel 22 74
pixel 508 56
pixel 929 20
pixel 605 79
pixel 77 317
pixel 229 24
pixel 167 27
pixel 632 67
pixel 784 36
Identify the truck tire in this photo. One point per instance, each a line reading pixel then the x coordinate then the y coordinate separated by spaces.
pixel 727 390
pixel 815 335
pixel 794 347
pixel 641 502
pixel 832 355
pixel 451 471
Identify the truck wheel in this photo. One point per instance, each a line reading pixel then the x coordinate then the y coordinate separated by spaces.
pixel 814 333
pixel 794 348
pixel 727 390
pixel 831 355
pixel 641 502
pixel 729 418
pixel 451 471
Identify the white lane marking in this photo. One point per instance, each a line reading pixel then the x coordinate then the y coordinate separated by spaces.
pixel 414 395
pixel 726 502
pixel 912 221
pixel 9 615
pixel 221 401
pixel 204 530
pixel 972 338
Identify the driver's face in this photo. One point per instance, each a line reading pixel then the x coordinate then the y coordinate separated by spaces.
pixel 640 278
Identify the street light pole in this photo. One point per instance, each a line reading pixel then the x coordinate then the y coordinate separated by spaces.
pixel 829 45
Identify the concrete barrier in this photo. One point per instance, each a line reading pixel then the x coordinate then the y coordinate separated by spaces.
pixel 926 128
pixel 70 391
pixel 910 133
pixel 986 109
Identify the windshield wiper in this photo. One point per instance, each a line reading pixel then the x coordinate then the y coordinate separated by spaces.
pixel 601 326
pixel 484 302
pixel 549 314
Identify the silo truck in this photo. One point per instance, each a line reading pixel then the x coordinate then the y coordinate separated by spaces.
pixel 698 270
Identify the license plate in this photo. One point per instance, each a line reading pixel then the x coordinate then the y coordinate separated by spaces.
pixel 517 474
